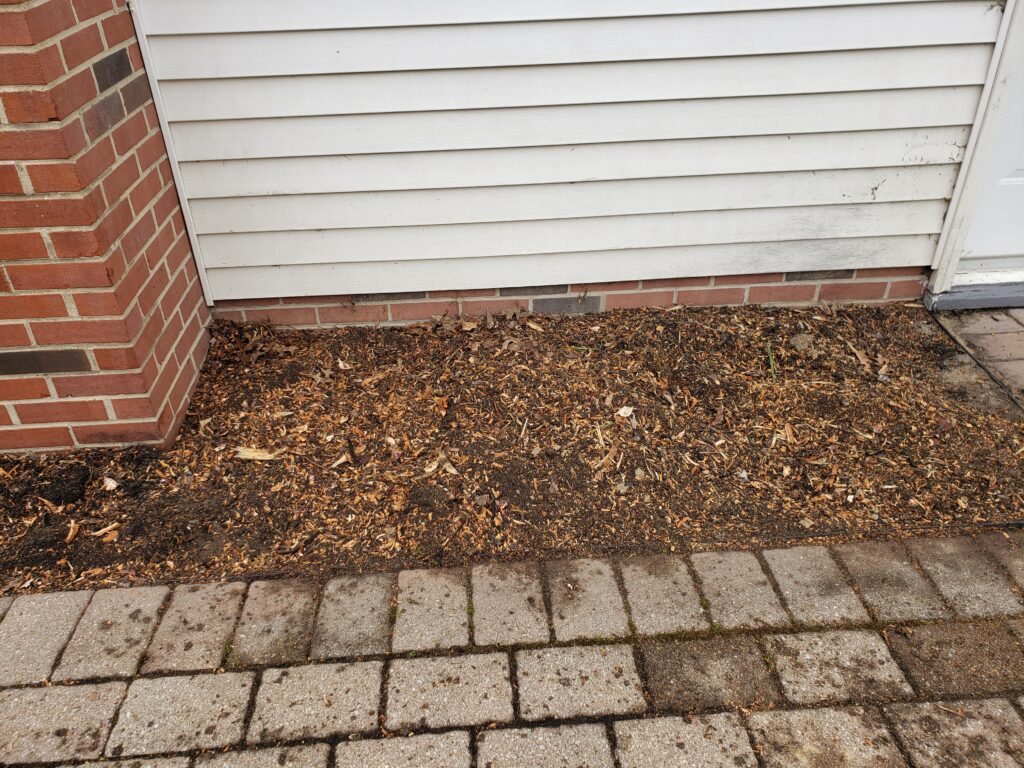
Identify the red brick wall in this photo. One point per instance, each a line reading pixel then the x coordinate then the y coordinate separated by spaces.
pixel 102 320
pixel 792 288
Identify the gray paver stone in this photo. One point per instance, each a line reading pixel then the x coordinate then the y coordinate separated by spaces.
pixel 1008 550
pixel 578 681
pixel 431 750
pixel 889 583
pixel 971 323
pixel 662 597
pixel 316 701
pixel 987 733
pixel 966 577
pixel 449 692
pixel 1017 314
pixel 355 616
pixel 56 723
pixel 5 603
pixel 1012 373
pixel 713 741
pixel 181 714
pixel 813 587
pixel 194 632
pixel 112 634
pixel 998 346
pixel 739 594
pixel 585 600
pixel 508 605
pixel 567 746
pixel 34 632
pixel 433 611
pixel 843 738
pixel 140 762
pixel 836 667
pixel 305 756
pixel 276 623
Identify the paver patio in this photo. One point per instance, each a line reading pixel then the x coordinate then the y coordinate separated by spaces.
pixel 862 655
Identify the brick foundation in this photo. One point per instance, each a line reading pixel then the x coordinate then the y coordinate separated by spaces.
pixel 102 319
pixel 791 289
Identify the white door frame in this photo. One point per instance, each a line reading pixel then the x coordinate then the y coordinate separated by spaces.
pixel 981 146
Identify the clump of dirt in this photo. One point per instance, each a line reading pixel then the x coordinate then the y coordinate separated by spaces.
pixel 516 437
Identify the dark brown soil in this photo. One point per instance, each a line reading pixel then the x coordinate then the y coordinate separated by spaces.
pixel 520 438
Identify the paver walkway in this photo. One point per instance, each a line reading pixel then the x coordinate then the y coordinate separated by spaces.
pixel 996 339
pixel 866 655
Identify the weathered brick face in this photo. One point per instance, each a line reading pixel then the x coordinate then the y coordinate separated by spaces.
pixel 102 318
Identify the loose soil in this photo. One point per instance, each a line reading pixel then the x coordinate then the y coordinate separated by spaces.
pixel 516 438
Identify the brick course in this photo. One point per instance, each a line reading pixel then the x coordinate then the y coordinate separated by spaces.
pixel 95 267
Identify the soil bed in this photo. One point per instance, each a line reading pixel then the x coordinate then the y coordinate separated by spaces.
pixel 528 438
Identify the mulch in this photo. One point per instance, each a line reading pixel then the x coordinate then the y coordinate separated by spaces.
pixel 512 438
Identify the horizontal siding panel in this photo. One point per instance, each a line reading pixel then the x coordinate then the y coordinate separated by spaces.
pixel 427 90
pixel 562 201
pixel 557 42
pixel 592 123
pixel 604 233
pixel 170 17
pixel 569 163
pixel 554 268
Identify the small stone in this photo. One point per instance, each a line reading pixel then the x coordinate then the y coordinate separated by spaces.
pixel 56 723
pixel 851 738
pixel 585 600
pixel 813 587
pixel 307 756
pixel 276 624
pixel 181 714
pixel 713 741
pixel 836 667
pixel 985 733
pixel 196 628
pixel 568 745
pixel 578 682
pixel 433 611
pixel 34 632
pixel 449 692
pixel 112 634
pixel 718 673
pixel 508 605
pixel 355 616
pixel 431 750
pixel 739 594
pixel 316 701
pixel 966 577
pixel 889 583
pixel 960 659
pixel 661 595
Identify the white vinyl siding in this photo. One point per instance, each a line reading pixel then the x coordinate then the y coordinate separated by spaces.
pixel 348 146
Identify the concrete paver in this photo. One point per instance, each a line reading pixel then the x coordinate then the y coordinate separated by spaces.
pixel 140 762
pixel 712 741
pixel 717 673
pixel 578 681
pixel 508 605
pixel 1012 374
pixel 112 634
pixel 430 750
pixel 195 630
pixel 815 738
pixel 958 659
pixel 987 733
pixel 738 592
pixel 997 346
pixel 449 692
pixel 56 723
pixel 559 747
pixel 181 714
pixel 888 582
pixel 34 632
pixel 813 587
pixel 661 595
pixel 276 623
pixel 966 577
pixel 354 618
pixel 316 701
pixel 1007 549
pixel 585 600
pixel 5 603
pixel 433 611
pixel 836 667
pixel 304 756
